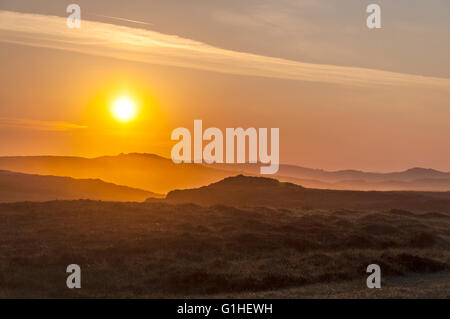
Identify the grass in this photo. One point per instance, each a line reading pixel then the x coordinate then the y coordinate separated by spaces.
pixel 161 250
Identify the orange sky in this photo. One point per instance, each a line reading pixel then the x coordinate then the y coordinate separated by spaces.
pixel 337 105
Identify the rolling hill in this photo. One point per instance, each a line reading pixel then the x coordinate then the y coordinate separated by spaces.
pixel 15 187
pixel 258 191
pixel 144 171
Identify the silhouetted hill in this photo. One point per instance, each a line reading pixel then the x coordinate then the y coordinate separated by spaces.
pixel 16 187
pixel 144 171
pixel 257 191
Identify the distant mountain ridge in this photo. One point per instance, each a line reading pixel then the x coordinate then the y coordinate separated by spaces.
pixel 15 187
pixel 407 175
pixel 420 179
pixel 160 175
pixel 303 172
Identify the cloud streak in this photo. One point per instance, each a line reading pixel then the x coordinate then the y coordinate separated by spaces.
pixel 147 46
pixel 119 19
pixel 37 125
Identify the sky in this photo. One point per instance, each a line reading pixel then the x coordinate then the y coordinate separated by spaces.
pixel 344 96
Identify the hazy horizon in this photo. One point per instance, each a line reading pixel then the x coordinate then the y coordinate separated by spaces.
pixel 256 164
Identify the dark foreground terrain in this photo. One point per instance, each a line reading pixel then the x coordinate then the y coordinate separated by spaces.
pixel 166 250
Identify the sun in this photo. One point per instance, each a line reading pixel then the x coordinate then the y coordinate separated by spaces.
pixel 124 109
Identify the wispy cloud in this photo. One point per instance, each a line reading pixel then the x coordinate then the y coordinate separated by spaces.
pixel 147 46
pixel 119 19
pixel 38 125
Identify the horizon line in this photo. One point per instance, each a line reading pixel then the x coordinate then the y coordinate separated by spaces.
pixel 214 164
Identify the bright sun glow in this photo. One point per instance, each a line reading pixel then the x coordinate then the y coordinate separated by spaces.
pixel 124 109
